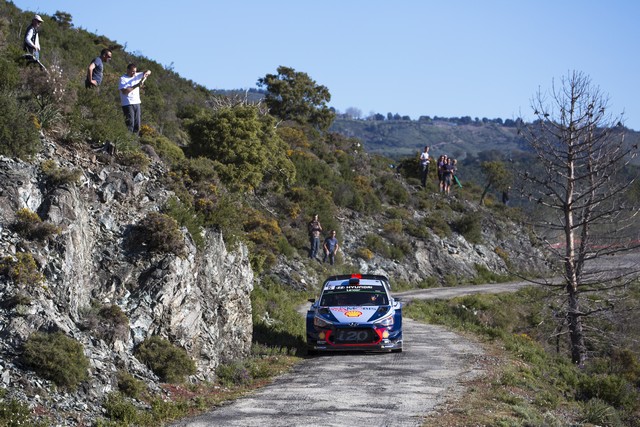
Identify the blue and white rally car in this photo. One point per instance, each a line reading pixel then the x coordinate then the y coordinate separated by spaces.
pixel 355 312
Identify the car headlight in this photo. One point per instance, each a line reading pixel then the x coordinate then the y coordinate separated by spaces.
pixel 320 322
pixel 387 321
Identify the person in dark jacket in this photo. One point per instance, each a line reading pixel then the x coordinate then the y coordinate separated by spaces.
pixel 32 39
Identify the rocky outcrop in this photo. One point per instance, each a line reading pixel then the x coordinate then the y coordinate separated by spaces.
pixel 199 301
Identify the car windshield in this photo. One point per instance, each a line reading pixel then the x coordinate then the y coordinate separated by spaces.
pixel 336 299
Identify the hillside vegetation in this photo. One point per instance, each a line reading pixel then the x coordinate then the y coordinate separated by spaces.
pixel 257 170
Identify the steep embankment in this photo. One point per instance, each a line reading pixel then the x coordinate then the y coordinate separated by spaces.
pixel 199 300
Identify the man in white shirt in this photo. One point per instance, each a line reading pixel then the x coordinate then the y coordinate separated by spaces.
pixel 130 84
pixel 31 38
pixel 424 166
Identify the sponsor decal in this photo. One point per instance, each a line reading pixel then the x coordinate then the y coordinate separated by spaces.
pixel 353 313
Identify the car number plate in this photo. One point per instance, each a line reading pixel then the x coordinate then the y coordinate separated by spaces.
pixel 353 336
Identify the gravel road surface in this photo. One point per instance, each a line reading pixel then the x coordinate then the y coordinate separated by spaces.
pixel 375 389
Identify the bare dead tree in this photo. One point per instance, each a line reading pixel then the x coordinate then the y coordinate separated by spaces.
pixel 579 182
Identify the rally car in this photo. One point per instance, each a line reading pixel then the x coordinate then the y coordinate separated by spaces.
pixel 355 312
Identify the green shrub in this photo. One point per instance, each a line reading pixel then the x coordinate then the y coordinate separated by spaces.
pixel 170 363
pixel 108 323
pixel 22 270
pixel 438 224
pixel 57 176
pixel 419 231
pixel 392 190
pixel 168 151
pixel 186 217
pixel 158 233
pixel 470 227
pixel 134 158
pixel 14 413
pixel 613 389
pixel 96 118
pixel 29 225
pixel 598 412
pixel 393 227
pixel 130 386
pixel 376 244
pixel 364 253
pixel 9 75
pixel 56 357
pixel 18 131
pixel 484 275
pixel 233 374
pixel 120 410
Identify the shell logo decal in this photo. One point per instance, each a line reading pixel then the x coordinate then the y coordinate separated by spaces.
pixel 353 313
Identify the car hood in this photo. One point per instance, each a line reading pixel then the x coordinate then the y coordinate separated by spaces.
pixel 359 314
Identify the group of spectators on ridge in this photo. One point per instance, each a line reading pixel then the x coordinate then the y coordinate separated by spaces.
pixel 129 84
pixel 447 168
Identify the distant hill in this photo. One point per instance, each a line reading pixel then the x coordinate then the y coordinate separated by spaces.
pixel 399 139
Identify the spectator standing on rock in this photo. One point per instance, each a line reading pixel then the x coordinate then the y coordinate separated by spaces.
pixel 505 196
pixel 32 39
pixel 314 236
pixel 424 166
pixel 95 69
pixel 330 247
pixel 130 84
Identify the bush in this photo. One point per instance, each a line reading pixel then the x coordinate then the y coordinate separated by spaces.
pixel 186 217
pixel 130 386
pixel 613 389
pixel 22 270
pixel 393 190
pixel 134 158
pixel 438 224
pixel 469 226
pixel 95 117
pixel 57 176
pixel 364 253
pixel 159 233
pixel 18 131
pixel 165 148
pixel 56 357
pixel 119 409
pixel 599 412
pixel 233 374
pixel 29 225
pixel 170 363
pixel 14 413
pixel 108 323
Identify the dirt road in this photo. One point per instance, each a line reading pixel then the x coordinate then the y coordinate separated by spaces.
pixel 388 389
pixel 394 389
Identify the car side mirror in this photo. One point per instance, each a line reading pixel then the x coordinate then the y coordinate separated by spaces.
pixel 311 300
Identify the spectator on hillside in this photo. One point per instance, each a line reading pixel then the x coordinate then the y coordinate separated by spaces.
pixel 95 69
pixel 442 161
pixel 424 166
pixel 447 174
pixel 505 196
pixel 130 84
pixel 32 39
pixel 330 247
pixel 314 236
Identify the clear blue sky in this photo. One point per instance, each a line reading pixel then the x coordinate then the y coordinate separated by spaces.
pixel 412 57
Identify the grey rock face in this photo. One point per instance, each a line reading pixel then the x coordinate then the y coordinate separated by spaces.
pixel 200 302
